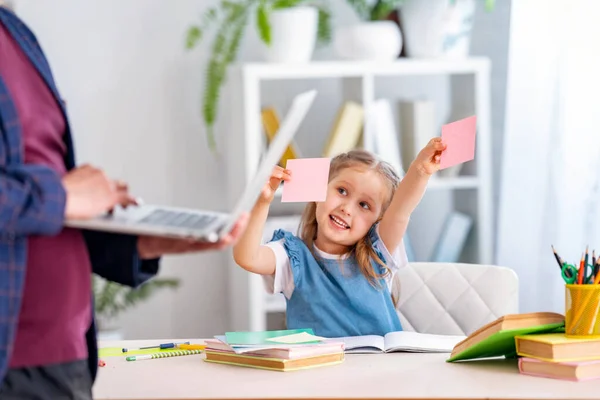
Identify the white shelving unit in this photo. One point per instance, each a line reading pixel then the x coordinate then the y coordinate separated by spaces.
pixel 470 79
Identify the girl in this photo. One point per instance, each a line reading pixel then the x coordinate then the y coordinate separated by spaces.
pixel 336 276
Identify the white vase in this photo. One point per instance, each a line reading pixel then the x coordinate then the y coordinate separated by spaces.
pixel 373 40
pixel 293 35
pixel 437 28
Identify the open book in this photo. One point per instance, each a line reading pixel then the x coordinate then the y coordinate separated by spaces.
pixel 400 341
pixel 497 338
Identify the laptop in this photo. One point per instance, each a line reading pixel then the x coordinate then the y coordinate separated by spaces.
pixel 202 225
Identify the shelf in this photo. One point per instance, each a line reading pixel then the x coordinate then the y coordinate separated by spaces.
pixel 341 69
pixel 461 182
pixel 469 89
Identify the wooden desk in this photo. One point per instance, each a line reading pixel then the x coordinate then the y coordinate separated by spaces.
pixel 397 375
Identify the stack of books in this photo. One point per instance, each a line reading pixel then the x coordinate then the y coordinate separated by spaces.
pixel 553 355
pixel 285 350
pixel 497 338
pixel 538 341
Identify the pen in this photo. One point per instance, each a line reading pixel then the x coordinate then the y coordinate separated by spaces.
pixel 186 346
pixel 160 346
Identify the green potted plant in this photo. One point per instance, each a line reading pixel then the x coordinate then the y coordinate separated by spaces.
pixel 288 29
pixel 374 38
pixel 111 299
pixel 439 28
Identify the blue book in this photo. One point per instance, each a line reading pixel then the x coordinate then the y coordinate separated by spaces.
pixel 452 238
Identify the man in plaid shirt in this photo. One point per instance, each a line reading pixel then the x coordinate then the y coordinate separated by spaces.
pixel 47 333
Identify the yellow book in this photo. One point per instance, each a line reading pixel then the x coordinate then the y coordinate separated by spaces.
pixel 270 121
pixel 346 131
pixel 556 347
pixel 275 364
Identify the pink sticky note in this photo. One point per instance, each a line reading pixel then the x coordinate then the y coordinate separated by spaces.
pixel 308 181
pixel 459 136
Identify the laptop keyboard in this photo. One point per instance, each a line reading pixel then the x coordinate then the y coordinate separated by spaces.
pixel 179 219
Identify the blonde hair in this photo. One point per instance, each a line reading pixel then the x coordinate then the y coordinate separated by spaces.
pixel 363 249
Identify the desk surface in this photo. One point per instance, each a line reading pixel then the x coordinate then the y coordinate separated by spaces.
pixel 395 375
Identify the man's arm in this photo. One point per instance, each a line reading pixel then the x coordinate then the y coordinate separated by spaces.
pixel 32 200
pixel 115 257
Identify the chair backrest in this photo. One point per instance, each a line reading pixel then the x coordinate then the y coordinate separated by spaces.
pixel 454 298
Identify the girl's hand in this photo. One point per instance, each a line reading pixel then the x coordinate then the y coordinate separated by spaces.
pixel 277 176
pixel 428 159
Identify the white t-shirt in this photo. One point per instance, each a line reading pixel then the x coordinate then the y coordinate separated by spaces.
pixel 282 281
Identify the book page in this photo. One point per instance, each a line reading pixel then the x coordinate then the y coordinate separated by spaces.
pixel 420 342
pixel 362 344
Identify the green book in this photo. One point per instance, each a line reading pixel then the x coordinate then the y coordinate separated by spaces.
pixel 262 337
pixel 497 338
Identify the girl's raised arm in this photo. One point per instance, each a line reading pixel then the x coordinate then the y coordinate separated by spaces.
pixel 248 252
pixel 409 193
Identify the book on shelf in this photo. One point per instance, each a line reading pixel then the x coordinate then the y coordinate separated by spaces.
pixel 270 121
pixel 452 238
pixel 346 130
pixel 569 371
pixel 556 347
pixel 383 136
pixel 401 341
pixel 497 338
pixel 417 127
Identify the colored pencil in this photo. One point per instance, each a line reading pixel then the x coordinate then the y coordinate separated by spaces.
pixel 163 355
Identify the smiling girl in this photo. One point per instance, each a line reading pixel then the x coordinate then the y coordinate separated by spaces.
pixel 337 274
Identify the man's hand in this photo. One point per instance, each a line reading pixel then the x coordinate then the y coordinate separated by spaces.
pixel 150 247
pixel 90 193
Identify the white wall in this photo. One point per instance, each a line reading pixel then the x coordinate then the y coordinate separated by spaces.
pixel 133 95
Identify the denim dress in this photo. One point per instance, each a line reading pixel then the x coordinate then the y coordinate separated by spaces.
pixel 333 297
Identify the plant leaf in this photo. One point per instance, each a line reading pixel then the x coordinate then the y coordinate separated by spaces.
pixel 324 26
pixel 262 22
pixel 225 47
pixel 360 7
pixel 194 34
pixel 279 4
pixel 383 8
pixel 489 5
pixel 111 298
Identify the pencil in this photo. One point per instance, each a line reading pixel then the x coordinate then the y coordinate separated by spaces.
pixel 581 271
pixel 560 261
pixel 163 355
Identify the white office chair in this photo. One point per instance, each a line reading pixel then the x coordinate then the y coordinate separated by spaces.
pixel 454 298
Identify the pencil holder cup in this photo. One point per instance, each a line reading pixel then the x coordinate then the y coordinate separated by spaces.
pixel 582 311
